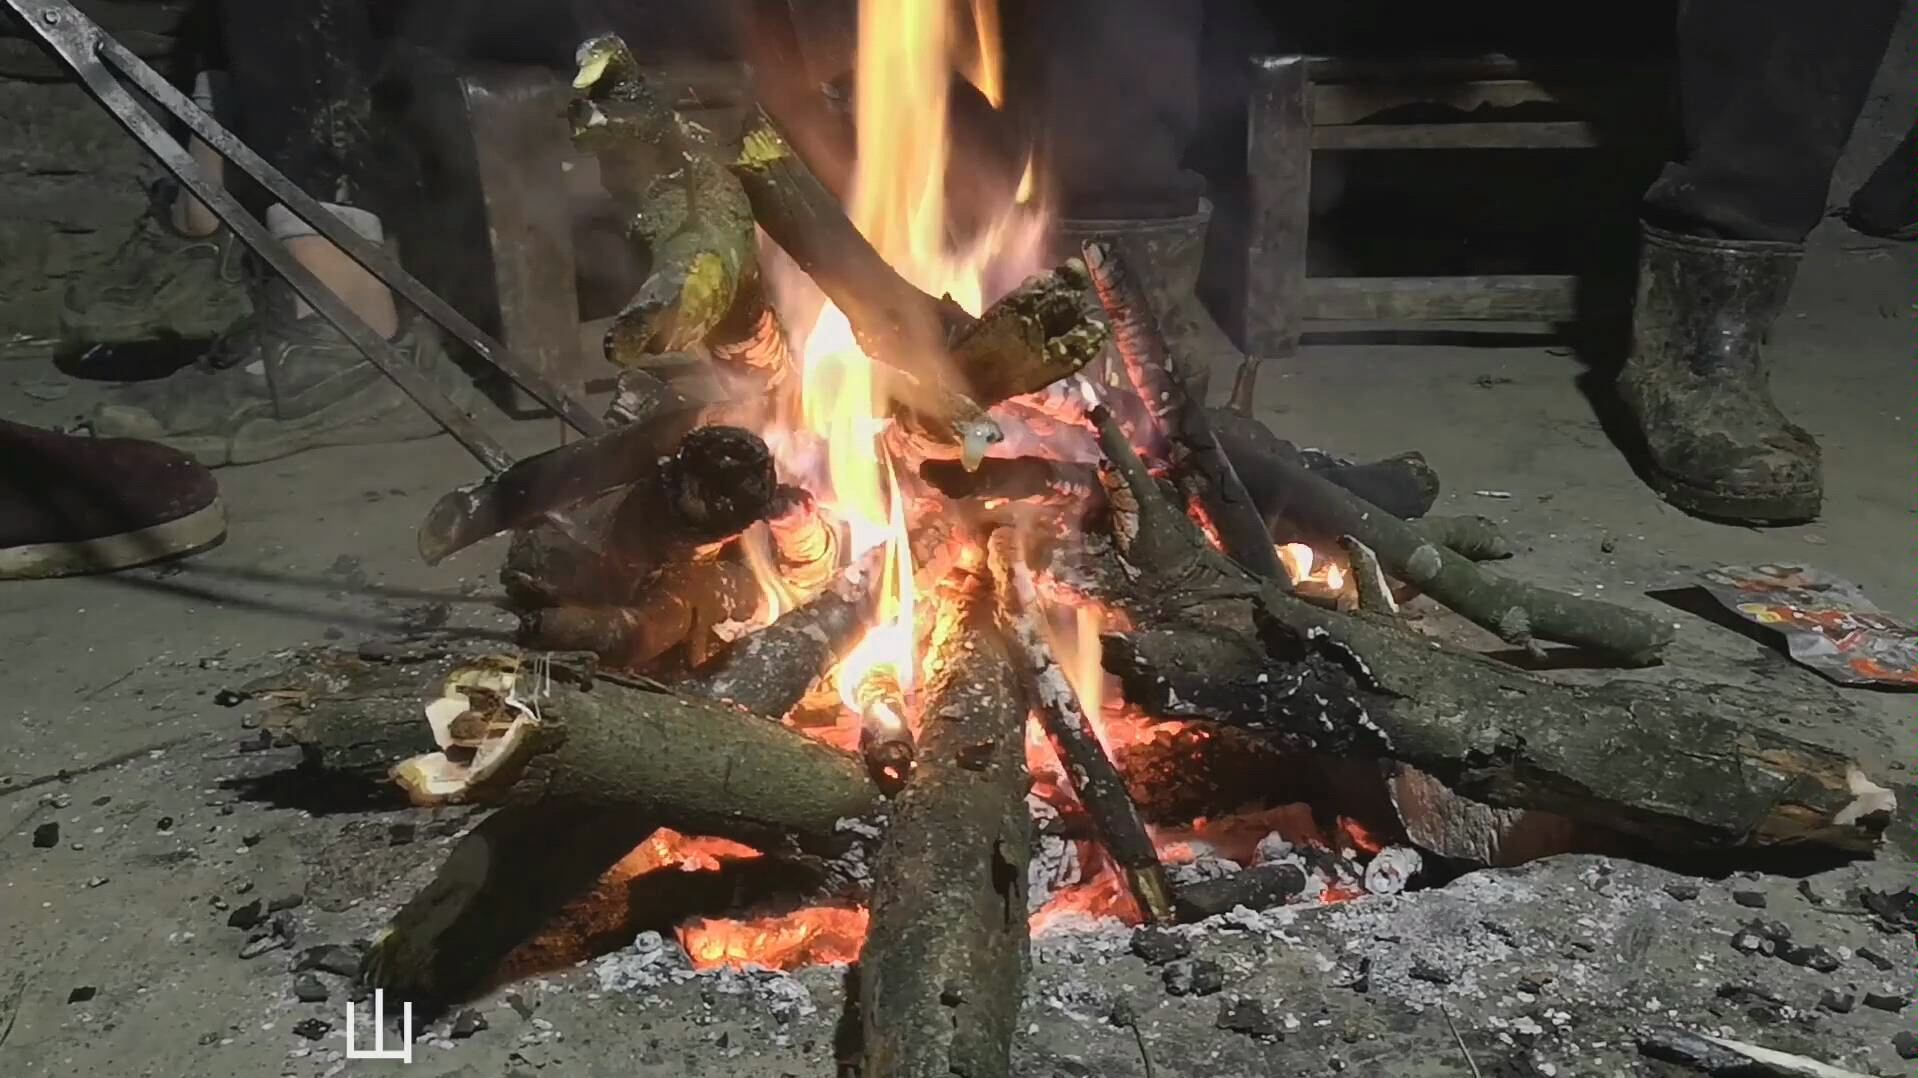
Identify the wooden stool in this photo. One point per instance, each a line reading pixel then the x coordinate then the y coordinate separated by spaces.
pixel 1301 105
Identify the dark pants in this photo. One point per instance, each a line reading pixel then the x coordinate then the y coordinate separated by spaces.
pixel 1770 90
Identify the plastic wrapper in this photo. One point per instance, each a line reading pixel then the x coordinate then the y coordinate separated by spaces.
pixel 1827 622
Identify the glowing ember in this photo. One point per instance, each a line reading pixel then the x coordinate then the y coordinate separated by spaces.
pixel 822 935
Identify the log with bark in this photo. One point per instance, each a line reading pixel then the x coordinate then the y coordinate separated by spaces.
pixel 584 768
pixel 684 605
pixel 684 209
pixel 1663 764
pixel 938 985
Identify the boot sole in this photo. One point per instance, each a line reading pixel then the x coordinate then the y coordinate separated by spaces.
pixel 194 532
pixel 1771 510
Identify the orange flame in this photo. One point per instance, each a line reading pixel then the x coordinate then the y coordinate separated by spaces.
pixel 1304 566
pixel 819 936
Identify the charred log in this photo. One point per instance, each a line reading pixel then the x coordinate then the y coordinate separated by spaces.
pixel 1260 887
pixel 1098 784
pixel 1199 466
pixel 1404 486
pixel 558 479
pixel 939 978
pixel 682 606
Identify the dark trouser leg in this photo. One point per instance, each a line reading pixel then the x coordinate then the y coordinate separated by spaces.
pixel 1770 90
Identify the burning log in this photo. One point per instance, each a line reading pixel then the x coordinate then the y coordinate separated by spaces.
pixel 1260 887
pixel 554 481
pixel 939 979
pixel 885 741
pixel 1199 466
pixel 1100 787
pixel 715 484
pixel 584 769
pixel 752 339
pixel 688 212
pixel 1657 763
pixel 682 605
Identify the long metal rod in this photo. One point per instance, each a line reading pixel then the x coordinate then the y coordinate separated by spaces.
pixel 369 255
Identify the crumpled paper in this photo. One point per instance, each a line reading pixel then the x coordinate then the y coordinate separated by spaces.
pixel 1828 624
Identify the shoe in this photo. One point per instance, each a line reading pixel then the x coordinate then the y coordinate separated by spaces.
pixel 1173 251
pixel 1718 446
pixel 71 505
pixel 161 283
pixel 225 410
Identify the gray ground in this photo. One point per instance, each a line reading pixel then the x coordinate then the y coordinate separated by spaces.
pixel 1548 970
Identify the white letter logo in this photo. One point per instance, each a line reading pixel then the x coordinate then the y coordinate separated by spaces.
pixel 404 1053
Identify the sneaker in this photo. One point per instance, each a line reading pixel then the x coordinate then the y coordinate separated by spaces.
pixel 71 505
pixel 161 283
pixel 225 409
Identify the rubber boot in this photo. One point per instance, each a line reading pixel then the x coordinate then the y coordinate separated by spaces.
pixel 1172 250
pixel 1717 444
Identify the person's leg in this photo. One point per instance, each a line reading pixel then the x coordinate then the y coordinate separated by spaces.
pixel 1887 204
pixel 283 380
pixel 177 275
pixel 1770 89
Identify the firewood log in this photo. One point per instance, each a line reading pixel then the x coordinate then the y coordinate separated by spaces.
pixel 947 950
pixel 584 769
pixel 1662 764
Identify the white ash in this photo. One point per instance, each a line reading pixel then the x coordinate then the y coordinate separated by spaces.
pixel 1055 859
pixel 1076 939
pixel 781 994
pixel 855 865
pixel 650 961
pixel 1205 866
pixel 1392 869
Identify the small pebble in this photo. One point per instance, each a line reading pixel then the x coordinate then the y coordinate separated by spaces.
pixel 285 902
pixel 309 989
pixel 1429 972
pixel 1815 958
pixel 1886 1001
pixel 466 1023
pixel 1608 544
pixel 1752 943
pixel 312 1028
pixel 1776 931
pixel 1811 893
pixel 1122 1015
pixel 1905 1043
pixel 519 1004
pixel 247 916
pixel 261 944
pixel 163 824
pixel 401 833
pixel 330 958
pixel 1751 900
pixel 1247 1016
pixel 1157 946
pixel 1837 1001
pixel 1883 964
pixel 96 881
pixel 1194 977
pixel 1682 890
pixel 82 994
pixel 46 836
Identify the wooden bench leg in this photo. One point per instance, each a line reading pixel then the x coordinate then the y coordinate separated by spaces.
pixel 1279 162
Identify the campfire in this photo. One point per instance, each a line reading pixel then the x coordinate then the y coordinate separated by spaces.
pixel 935 613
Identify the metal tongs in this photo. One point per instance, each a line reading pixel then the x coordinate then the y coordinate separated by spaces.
pixel 100 62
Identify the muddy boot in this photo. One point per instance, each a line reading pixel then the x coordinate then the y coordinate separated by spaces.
pixel 225 409
pixel 1168 255
pixel 71 505
pixel 160 283
pixel 1718 446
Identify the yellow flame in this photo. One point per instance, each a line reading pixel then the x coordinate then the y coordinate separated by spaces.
pixel 1303 565
pixel 985 64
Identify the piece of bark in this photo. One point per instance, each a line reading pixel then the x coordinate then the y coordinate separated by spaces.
pixel 941 975
pixel 682 606
pixel 558 479
pixel 617 759
pixel 751 340
pixel 1663 764
pixel 1372 591
pixel 1462 829
pixel 1098 784
pixel 1471 537
pixel 1260 887
pixel 683 206
pixel 1518 613
pixel 1199 466
pixel 351 718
